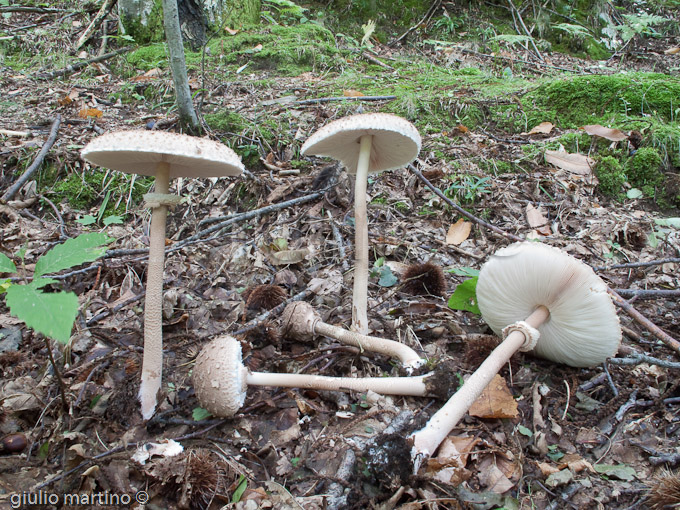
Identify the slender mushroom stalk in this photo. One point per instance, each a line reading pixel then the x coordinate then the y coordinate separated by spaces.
pixel 301 321
pixel 568 318
pixel 221 380
pixel 365 143
pixel 164 156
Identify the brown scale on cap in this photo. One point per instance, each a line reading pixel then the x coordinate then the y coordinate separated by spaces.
pixel 424 279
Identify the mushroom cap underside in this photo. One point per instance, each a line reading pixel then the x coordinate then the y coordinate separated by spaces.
pixel 219 377
pixel 396 142
pixel 583 328
pixel 139 152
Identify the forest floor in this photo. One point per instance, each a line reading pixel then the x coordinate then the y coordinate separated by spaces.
pixel 581 438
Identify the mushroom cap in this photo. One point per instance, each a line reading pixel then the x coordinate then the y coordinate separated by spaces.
pixel 583 328
pixel 139 152
pixel 396 142
pixel 220 378
pixel 297 321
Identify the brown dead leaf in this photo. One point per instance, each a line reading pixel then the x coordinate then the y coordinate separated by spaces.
pixel 574 163
pixel 575 463
pixel 535 217
pixel 352 93
pixel 453 452
pixel 257 48
pixel 496 401
pixel 544 128
pixel 90 112
pixel 68 99
pixel 547 469
pixel 283 257
pixel 495 472
pixel 458 232
pixel 231 31
pixel 672 51
pixel 615 135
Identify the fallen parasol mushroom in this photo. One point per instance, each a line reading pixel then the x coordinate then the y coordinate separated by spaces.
pixel 164 156
pixel 302 322
pixel 365 143
pixel 540 299
pixel 221 380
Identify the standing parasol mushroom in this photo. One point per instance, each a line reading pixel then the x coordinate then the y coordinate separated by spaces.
pixel 164 156
pixel 365 143
pixel 540 299
pixel 300 320
pixel 221 380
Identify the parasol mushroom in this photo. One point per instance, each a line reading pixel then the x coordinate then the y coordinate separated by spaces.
pixel 221 380
pixel 165 156
pixel 301 321
pixel 365 143
pixel 540 299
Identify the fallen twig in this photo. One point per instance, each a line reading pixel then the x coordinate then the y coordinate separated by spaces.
pixel 77 66
pixel 430 12
pixel 516 12
pixel 96 21
pixel 648 293
pixel 636 359
pixel 36 163
pixel 638 264
pixel 345 98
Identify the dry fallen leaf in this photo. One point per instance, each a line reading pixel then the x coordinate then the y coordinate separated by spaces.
pixel 543 128
pixel 352 93
pixel 615 135
pixel 574 163
pixel 283 257
pixel 672 51
pixel 496 401
pixel 535 217
pixel 458 232
pixel 90 112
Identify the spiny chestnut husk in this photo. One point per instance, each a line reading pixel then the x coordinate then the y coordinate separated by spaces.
pixel 664 492
pixel 424 279
pixel 264 297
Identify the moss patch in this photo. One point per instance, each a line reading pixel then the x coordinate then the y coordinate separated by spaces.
pixel 644 171
pixel 611 176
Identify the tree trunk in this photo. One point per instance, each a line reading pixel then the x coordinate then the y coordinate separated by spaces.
pixel 187 115
pixel 143 19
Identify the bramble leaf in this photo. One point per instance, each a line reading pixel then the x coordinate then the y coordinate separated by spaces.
pixel 465 297
pixel 6 265
pixel 49 313
pixel 84 248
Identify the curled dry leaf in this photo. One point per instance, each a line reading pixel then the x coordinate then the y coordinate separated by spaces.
pixel 672 51
pixel 283 257
pixel 458 232
pixel 574 163
pixel 544 128
pixel 615 135
pixel 496 401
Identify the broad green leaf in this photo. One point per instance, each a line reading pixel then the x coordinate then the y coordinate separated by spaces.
pixel 668 222
pixel 51 314
pixel 387 278
pixel 525 431
pixel 4 285
pixel 238 493
pixel 199 414
pixel 84 248
pixel 620 471
pixel 109 220
pixel 634 193
pixel 88 219
pixel 465 297
pixel 465 271
pixel 6 265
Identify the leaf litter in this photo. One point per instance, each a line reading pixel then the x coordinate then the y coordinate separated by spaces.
pixel 293 448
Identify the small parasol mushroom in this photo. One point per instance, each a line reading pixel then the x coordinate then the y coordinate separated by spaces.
pixel 221 380
pixel 540 299
pixel 365 143
pixel 165 156
pixel 300 320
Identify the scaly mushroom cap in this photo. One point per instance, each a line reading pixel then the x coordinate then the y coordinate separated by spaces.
pixel 297 321
pixel 583 328
pixel 396 142
pixel 220 377
pixel 139 152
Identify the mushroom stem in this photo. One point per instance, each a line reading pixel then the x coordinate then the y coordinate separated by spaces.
pixel 428 439
pixel 152 363
pixel 301 322
pixel 414 386
pixel 360 294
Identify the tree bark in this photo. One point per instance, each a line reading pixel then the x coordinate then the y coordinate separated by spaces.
pixel 187 115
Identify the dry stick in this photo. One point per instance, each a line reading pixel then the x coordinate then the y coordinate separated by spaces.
pixel 39 10
pixel 644 321
pixel 103 12
pixel 77 66
pixel 526 30
pixel 344 98
pixel 627 307
pixel 637 358
pixel 648 293
pixel 36 163
pixel 638 264
pixel 430 12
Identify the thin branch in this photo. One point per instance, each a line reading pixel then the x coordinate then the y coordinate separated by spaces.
pixel 526 30
pixel 96 21
pixel 638 264
pixel 648 293
pixel 636 359
pixel 345 98
pixel 36 163
pixel 77 66
pixel 434 7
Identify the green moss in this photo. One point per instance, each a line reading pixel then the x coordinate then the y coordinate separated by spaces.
pixel 644 171
pixel 583 100
pixel 145 29
pixel 611 177
pixel 226 120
